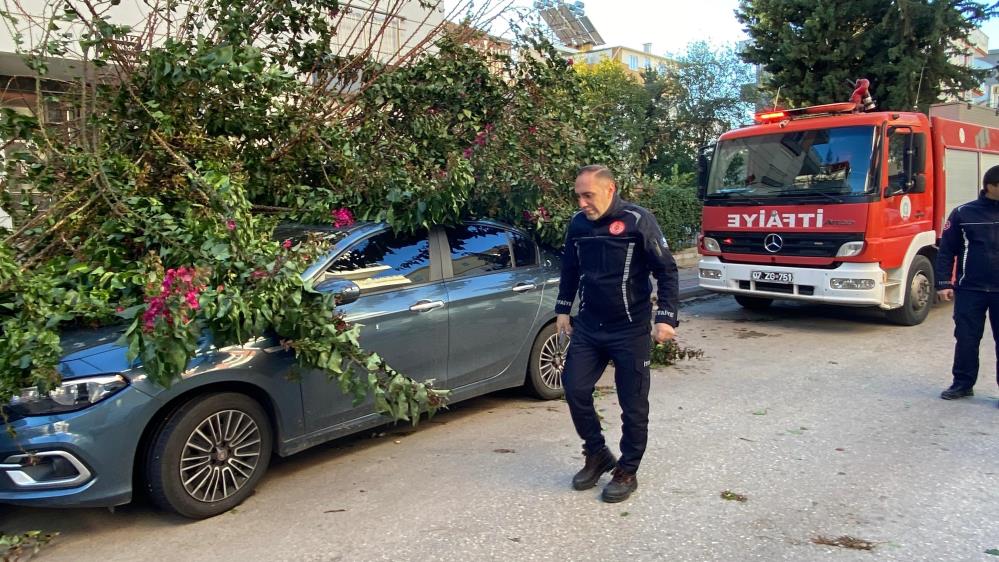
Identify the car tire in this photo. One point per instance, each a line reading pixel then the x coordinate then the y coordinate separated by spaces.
pixel 753 303
pixel 544 372
pixel 919 294
pixel 209 455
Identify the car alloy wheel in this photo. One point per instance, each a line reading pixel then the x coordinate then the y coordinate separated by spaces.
pixel 220 456
pixel 209 454
pixel 551 362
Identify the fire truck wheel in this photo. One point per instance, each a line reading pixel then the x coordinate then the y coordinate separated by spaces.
pixel 918 294
pixel 753 303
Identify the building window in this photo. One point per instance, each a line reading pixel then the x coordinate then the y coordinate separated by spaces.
pixel 359 31
pixel 646 63
pixel 994 97
pixel 633 62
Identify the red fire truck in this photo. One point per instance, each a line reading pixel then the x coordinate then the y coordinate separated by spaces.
pixel 836 205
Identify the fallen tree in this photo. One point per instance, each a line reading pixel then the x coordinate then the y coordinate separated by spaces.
pixel 154 203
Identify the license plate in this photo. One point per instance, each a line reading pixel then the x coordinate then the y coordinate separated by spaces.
pixel 773 276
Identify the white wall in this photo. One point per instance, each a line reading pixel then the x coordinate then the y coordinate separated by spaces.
pixel 32 21
pixel 405 29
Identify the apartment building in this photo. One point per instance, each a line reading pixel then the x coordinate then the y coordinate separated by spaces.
pixel 635 61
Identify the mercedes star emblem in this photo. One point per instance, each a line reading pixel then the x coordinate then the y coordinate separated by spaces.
pixel 773 243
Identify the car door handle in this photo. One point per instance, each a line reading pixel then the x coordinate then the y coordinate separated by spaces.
pixel 919 214
pixel 424 306
pixel 524 287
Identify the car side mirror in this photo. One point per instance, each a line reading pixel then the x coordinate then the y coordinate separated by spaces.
pixel 345 290
pixel 918 184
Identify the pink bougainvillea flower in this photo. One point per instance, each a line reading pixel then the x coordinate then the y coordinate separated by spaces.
pixel 286 244
pixel 178 293
pixel 230 224
pixel 467 153
pixel 342 217
pixel 119 309
pixel 154 309
pixel 532 129
pixel 570 62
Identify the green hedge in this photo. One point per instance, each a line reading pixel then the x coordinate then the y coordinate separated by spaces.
pixel 678 211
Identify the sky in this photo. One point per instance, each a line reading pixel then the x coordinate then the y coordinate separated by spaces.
pixel 671 24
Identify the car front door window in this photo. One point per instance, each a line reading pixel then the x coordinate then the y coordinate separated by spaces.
pixel 384 261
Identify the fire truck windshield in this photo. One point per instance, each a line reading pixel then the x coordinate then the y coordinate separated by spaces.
pixel 826 163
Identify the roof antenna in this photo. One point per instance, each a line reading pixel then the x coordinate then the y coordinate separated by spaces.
pixel 777 97
pixel 919 86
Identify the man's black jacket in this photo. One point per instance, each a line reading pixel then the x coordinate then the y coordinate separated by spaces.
pixel 971 235
pixel 609 260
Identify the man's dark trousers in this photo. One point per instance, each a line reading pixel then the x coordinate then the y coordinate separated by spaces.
pixel 589 352
pixel 969 326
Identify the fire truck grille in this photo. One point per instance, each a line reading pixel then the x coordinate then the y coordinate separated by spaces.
pixel 804 244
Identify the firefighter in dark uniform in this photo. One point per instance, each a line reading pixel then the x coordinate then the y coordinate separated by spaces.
pixel 971 240
pixel 610 249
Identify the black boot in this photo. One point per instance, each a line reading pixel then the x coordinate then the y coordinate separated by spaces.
pixel 596 464
pixel 620 487
pixel 955 392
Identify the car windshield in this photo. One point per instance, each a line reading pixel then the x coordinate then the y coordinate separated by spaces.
pixel 821 162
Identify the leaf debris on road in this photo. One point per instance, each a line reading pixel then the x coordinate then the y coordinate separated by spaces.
pixel 732 496
pixel 845 541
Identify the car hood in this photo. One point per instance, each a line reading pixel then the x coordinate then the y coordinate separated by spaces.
pixel 98 351
pixel 93 351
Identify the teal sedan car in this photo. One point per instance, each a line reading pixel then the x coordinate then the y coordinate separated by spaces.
pixel 471 307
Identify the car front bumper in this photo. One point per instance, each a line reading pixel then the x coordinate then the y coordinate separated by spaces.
pixel 809 284
pixel 76 459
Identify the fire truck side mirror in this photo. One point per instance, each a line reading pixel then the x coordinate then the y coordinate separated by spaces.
pixel 916 163
pixel 919 154
pixel 704 157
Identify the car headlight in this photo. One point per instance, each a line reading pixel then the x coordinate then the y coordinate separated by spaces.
pixel 850 249
pixel 711 245
pixel 70 395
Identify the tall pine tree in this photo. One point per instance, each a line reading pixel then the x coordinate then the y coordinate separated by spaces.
pixel 904 47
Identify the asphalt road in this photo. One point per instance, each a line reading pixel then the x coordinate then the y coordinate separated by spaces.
pixel 827 421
